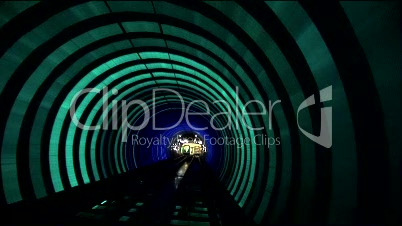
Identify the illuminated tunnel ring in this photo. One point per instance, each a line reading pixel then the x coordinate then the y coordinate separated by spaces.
pixel 118 136
pixel 271 52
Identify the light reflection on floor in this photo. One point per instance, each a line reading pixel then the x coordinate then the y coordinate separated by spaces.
pixel 180 174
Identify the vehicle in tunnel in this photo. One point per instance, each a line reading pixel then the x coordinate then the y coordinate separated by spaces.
pixel 200 112
pixel 188 143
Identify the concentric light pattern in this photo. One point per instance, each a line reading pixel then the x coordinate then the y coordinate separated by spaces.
pixel 279 50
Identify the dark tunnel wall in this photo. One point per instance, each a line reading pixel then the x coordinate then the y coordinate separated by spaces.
pixel 271 51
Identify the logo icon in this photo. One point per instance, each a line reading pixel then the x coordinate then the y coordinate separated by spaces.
pixel 325 137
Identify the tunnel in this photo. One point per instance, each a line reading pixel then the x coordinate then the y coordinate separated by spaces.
pixel 200 112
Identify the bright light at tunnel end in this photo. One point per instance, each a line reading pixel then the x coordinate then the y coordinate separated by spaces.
pixel 241 113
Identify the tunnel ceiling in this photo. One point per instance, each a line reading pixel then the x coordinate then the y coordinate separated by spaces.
pixel 270 51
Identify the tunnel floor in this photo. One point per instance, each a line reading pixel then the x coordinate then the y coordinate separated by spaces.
pixel 175 192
